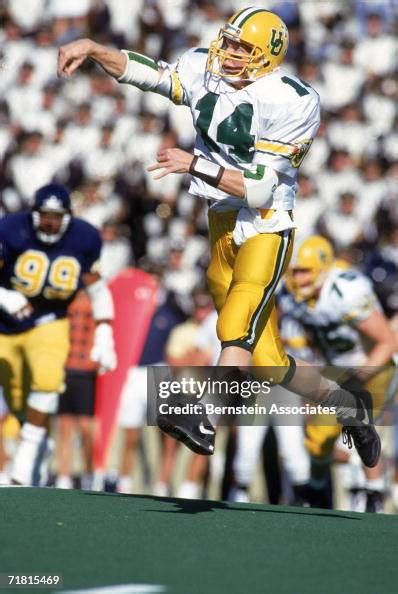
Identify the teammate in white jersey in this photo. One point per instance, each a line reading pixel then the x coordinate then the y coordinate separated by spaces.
pixel 255 123
pixel 337 306
pixel 344 323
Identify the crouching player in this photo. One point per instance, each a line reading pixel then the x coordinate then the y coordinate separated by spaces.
pixel 344 322
pixel 46 255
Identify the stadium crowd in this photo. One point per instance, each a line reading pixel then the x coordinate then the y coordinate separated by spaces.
pixel 98 137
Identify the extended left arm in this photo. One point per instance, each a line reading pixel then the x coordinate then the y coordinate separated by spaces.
pixel 256 187
pixel 103 351
pixel 175 160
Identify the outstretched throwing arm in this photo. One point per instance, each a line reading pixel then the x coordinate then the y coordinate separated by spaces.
pixel 72 55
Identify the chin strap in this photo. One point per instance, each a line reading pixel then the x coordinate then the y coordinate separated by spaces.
pixel 45 237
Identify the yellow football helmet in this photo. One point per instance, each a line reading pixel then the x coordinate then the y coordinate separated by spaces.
pixel 314 257
pixel 261 32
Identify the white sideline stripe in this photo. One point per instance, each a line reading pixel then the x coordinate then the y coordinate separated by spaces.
pixel 244 14
pixel 121 589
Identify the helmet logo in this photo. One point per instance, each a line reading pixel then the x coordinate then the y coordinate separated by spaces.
pixel 276 43
pixel 53 203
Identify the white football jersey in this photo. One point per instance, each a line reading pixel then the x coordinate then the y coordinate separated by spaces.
pixel 346 298
pixel 271 122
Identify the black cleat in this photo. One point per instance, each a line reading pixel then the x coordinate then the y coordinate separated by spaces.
pixel 194 431
pixel 359 429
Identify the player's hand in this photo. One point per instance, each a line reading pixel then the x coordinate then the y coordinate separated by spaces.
pixel 72 55
pixel 103 351
pixel 25 312
pixel 15 304
pixel 171 160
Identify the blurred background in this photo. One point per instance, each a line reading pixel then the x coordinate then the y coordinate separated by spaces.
pixel 97 137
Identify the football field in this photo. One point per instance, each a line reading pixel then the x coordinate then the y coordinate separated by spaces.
pixel 103 541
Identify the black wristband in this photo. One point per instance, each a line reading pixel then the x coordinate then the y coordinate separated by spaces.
pixel 209 172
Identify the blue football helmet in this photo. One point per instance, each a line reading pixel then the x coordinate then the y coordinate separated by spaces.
pixel 52 198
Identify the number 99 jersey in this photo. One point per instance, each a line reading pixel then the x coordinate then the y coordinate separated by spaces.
pixel 48 275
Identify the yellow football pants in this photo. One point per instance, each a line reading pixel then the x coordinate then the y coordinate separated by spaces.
pixel 242 281
pixel 42 353
pixel 320 439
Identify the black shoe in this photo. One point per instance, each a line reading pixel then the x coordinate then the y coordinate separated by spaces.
pixel 194 431
pixel 374 502
pixel 359 429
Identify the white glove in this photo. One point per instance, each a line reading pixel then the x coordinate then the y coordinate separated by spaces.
pixel 103 351
pixel 15 304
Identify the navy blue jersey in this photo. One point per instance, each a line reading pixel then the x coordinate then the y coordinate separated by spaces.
pixel 48 275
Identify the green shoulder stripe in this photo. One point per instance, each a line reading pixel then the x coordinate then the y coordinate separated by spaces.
pixel 143 60
pixel 201 50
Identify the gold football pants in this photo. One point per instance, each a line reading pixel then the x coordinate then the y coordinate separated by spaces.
pixel 36 357
pixel 242 281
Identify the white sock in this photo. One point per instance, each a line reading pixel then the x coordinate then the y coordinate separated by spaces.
pixel 4 478
pixel 189 490
pixel 377 484
pixel 160 489
pixel 239 495
pixel 31 452
pixel 124 484
pixel 98 483
pixel 64 481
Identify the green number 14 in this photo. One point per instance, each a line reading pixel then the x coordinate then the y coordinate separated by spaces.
pixel 234 130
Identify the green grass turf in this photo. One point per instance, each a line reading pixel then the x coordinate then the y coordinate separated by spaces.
pixel 194 547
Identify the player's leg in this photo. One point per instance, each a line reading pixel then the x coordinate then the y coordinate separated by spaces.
pixel 11 386
pixel 223 254
pixel 319 442
pixel 131 418
pixel 249 441
pixel 11 371
pixel 3 456
pixel 196 431
pixel 84 396
pixel 242 282
pixel 45 349
pixel 66 430
pixel 85 424
pixel 268 354
pixel 294 457
pixel 169 449
pixel 351 401
pixel 192 486
pixel 259 265
pixel 383 387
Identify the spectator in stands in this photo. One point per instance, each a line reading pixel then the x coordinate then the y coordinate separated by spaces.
pixel 342 223
pixel 377 51
pixel 343 79
pixel 309 207
pixel 91 204
pixel 116 253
